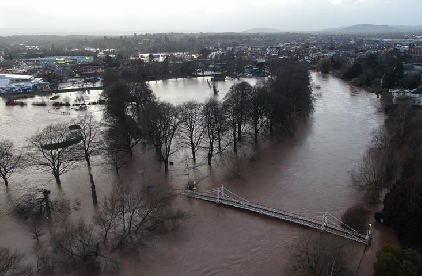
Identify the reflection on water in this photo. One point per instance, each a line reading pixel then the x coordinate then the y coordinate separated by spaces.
pixel 308 174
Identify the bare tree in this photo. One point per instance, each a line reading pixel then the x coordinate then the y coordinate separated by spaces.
pixel 142 97
pixel 192 128
pixel 127 217
pixel 117 97
pixel 162 128
pixel 369 175
pixel 215 127
pixel 35 208
pixel 89 131
pixel 77 249
pixel 236 105
pixel 54 149
pixel 11 264
pixel 356 217
pixel 381 139
pixel 9 160
pixel 123 135
pixel 45 264
pixel 210 112
pixel 317 255
pixel 257 114
pixel 116 158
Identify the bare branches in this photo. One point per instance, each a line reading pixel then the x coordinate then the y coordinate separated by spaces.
pixel 9 160
pixel 127 217
pixel 89 131
pixel 369 175
pixel 317 255
pixel 11 264
pixel 192 128
pixel 37 207
pixel 162 127
pixel 54 149
pixel 76 248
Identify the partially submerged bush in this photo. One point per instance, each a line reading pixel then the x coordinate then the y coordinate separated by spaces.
pixel 356 217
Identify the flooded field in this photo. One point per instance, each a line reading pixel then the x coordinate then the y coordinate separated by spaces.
pixel 307 174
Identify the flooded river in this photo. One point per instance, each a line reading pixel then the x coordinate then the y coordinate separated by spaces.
pixel 308 174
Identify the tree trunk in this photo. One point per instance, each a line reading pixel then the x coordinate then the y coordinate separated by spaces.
pixel 46 199
pixel 210 152
pixel 88 161
pixel 209 158
pixel 234 141
pixel 192 146
pixel 93 189
pixel 166 164
pixel 6 182
pixel 256 135
pixel 57 177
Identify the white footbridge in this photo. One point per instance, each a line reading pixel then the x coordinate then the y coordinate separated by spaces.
pixel 326 222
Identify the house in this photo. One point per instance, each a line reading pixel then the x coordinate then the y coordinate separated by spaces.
pixel 415 95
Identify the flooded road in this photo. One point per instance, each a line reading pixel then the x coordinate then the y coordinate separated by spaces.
pixel 308 174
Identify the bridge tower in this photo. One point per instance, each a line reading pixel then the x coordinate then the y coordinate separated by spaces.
pixel 368 237
pixel 220 194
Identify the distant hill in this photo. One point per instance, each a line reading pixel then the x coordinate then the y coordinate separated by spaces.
pixel 261 30
pixel 371 28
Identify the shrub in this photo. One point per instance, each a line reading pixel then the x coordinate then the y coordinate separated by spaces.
pixel 356 217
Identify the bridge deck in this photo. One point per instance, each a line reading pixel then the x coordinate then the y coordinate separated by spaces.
pixel 282 215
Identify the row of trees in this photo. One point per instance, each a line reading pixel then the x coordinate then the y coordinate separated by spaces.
pixel 133 114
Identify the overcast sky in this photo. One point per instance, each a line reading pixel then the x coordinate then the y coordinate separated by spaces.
pixel 202 16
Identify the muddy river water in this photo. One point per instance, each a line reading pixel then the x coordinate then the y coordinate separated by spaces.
pixel 308 174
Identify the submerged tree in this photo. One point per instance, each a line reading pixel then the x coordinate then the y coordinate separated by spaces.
pixel 317 255
pixel 123 135
pixel 369 175
pixel 162 128
pixel 11 264
pixel 237 105
pixel 54 149
pixel 214 124
pixel 357 218
pixel 9 160
pixel 291 96
pixel 192 128
pixel 77 249
pixel 37 207
pixel 91 144
pixel 127 216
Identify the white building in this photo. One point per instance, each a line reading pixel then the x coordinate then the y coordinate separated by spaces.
pixel 415 95
pixel 19 83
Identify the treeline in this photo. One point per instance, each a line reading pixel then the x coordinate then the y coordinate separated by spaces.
pixel 372 71
pixel 134 115
pixel 392 163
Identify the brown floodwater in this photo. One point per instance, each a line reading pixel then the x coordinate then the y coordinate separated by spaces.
pixel 308 174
